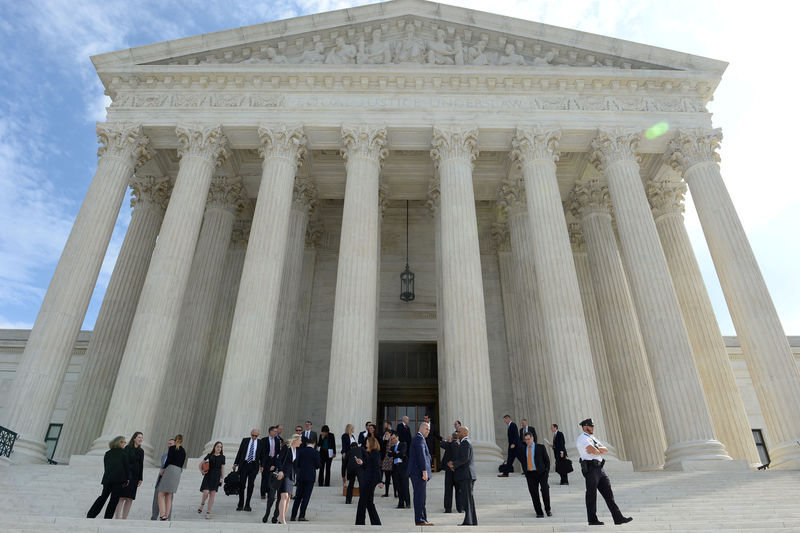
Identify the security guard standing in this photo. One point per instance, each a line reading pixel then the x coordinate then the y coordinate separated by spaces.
pixel 590 450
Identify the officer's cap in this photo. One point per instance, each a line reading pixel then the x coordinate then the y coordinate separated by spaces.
pixel 587 422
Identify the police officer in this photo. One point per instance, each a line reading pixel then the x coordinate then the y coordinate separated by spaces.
pixel 590 450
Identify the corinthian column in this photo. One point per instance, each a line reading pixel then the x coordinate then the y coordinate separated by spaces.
pixel 467 385
pixel 772 367
pixel 134 403
pixel 351 391
pixel 684 413
pixel 38 378
pixel 249 359
pixel 104 353
pixel 280 378
pixel 184 369
pixel 574 383
pixel 634 394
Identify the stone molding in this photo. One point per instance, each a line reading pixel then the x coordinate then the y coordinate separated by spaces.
pixel 451 142
pixel 692 147
pixel 576 238
pixel 314 232
pixel 434 195
pixel 510 195
pixel 613 146
pixel 226 193
pixel 666 197
pixel 203 141
pixel 364 141
pixel 124 141
pixel 501 236
pixel 304 195
pixel 383 197
pixel 589 196
pixel 534 144
pixel 282 141
pixel 150 191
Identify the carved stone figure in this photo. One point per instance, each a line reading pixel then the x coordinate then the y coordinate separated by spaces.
pixel 546 59
pixel 410 49
pixel 511 57
pixel 342 53
pixel 314 56
pixel 270 55
pixel 476 55
pixel 439 52
pixel 458 47
pixel 378 52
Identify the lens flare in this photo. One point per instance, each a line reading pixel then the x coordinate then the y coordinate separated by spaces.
pixel 656 130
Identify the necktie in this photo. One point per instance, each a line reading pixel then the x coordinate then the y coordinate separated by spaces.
pixel 530 459
pixel 271 447
pixel 251 452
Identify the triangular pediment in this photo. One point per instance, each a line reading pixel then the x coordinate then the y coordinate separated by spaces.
pixel 405 33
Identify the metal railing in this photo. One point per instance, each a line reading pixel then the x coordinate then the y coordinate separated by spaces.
pixel 7 439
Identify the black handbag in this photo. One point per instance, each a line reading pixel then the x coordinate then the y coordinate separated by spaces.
pixel 232 484
pixel 274 482
pixel 563 465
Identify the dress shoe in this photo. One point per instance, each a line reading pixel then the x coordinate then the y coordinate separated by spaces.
pixel 539 516
pixel 274 520
pixel 596 523
pixel 623 520
pixel 425 524
pixel 502 475
pixel 448 510
pixel 266 517
pixel 239 508
pixel 466 524
pixel 549 513
pixel 293 519
pixel 301 519
pixel 384 495
pixel 400 507
pixel 247 508
pixel 565 483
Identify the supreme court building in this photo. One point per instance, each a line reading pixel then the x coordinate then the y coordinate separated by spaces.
pixel 283 175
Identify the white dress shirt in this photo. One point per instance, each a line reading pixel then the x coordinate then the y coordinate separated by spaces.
pixel 584 440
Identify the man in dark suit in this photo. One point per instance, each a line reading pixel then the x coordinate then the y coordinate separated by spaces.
pixel 431 440
pixel 404 432
pixel 513 447
pixel 398 451
pixel 525 428
pixel 308 434
pixel 248 461
pixel 354 470
pixel 464 475
pixel 537 468
pixel 362 437
pixel 450 447
pixel 419 471
pixel 270 446
pixel 559 447
pixel 308 462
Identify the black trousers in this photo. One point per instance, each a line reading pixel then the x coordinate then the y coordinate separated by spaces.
pixel 467 501
pixel 449 487
pixel 366 504
pixel 112 491
pixel 597 481
pixel 302 497
pixel 247 474
pixel 352 476
pixel 325 470
pixel 538 480
pixel 400 477
pixel 387 480
pixel 272 496
pixel 513 454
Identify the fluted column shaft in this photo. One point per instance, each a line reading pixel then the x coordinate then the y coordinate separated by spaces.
pixel 249 359
pixel 287 327
pixel 134 403
pixel 38 378
pixel 684 412
pixel 605 386
pixel 769 359
pixel 434 197
pixel 104 354
pixel 516 354
pixel 351 393
pixel 634 393
pixel 573 380
pixel 468 382
pixel 184 369
pixel 217 346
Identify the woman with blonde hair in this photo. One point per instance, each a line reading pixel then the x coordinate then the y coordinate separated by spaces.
pixel 347 438
pixel 285 466
pixel 170 477
pixel 135 456
pixel 116 473
pixel 212 477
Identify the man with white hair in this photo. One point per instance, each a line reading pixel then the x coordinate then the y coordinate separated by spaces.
pixel 249 459
pixel 419 471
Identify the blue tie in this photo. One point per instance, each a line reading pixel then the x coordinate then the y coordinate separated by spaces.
pixel 250 452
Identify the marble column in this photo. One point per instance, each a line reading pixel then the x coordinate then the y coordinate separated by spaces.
pixel 687 424
pixel 250 351
pixel 104 354
pixel 467 386
pixel 135 404
pixel 351 388
pixel 716 374
pixel 37 381
pixel 217 346
pixel 573 381
pixel 634 393
pixel 599 358
pixel 537 372
pixel 433 203
pixel 303 201
pixel 185 364
pixel 769 359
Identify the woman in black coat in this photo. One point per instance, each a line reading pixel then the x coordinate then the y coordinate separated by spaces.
pixel 135 455
pixel 286 468
pixel 372 478
pixel 327 449
pixel 347 439
pixel 116 475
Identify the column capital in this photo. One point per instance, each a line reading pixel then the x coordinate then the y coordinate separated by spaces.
pixel 365 141
pixel 304 195
pixel 150 191
pixel 589 196
pixel 434 195
pixel 511 195
pixel 241 233
pixel 576 238
pixel 692 147
pixel 450 142
pixel 226 193
pixel 282 141
pixel 666 196
pixel 611 146
pixel 535 144
pixel 123 140
pixel 314 231
pixel 501 236
pixel 383 197
pixel 203 141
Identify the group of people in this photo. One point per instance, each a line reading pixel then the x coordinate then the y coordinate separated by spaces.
pixel 395 458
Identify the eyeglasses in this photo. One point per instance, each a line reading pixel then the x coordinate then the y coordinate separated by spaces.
pixel 254 435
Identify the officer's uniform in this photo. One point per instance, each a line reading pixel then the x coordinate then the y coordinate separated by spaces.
pixel 596 479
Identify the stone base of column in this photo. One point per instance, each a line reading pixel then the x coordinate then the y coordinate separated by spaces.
pixel 487 456
pixel 100 447
pixel 784 456
pixel 28 451
pixel 230 445
pixel 612 465
pixel 697 453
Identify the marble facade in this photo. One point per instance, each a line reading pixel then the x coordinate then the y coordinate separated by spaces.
pixel 544 170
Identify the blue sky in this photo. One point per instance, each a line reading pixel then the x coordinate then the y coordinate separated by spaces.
pixel 50 99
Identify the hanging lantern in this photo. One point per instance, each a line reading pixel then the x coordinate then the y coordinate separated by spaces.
pixel 406 276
